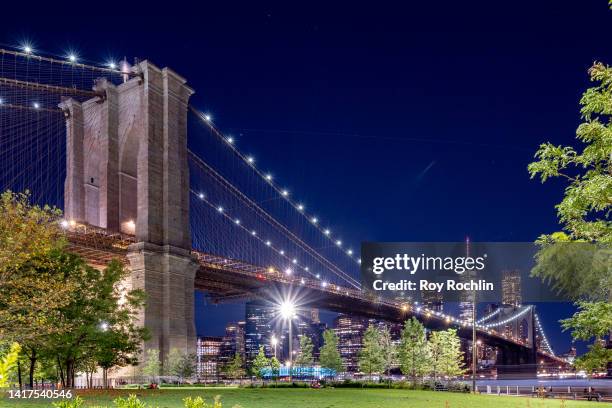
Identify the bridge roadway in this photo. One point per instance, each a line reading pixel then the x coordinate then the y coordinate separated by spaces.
pixel 229 279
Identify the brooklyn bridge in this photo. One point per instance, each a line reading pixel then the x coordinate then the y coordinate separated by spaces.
pixel 145 177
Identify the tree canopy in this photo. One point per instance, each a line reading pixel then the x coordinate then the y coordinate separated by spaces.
pixel 305 357
pixel 414 359
pixel 329 356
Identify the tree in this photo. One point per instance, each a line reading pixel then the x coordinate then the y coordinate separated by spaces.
pixel 388 349
pixel 261 362
pixel 593 320
pixel 235 369
pixel 26 232
pixel 98 303
pixel 370 357
pixel 53 303
pixel 435 350
pixel 275 366
pixel 583 212
pixel 582 249
pixel 329 356
pixel 34 279
pixel 180 364
pixel 595 360
pixel 8 363
pixel 413 355
pixel 304 357
pixel 451 363
pixel 152 364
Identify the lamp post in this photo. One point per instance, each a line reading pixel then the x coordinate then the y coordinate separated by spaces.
pixel 287 311
pixel 474 345
pixel 274 343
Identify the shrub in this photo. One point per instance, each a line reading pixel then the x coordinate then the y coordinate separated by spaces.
pixel 69 403
pixel 199 402
pixel 131 401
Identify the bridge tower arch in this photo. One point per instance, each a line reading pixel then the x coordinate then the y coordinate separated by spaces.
pixel 127 171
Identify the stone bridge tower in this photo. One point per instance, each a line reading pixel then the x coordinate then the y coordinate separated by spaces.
pixel 127 172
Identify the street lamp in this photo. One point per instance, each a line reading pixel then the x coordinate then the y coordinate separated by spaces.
pixel 287 311
pixel 274 343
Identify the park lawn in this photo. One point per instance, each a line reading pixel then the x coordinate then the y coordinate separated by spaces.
pixel 311 398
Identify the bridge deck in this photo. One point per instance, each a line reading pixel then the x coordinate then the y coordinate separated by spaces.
pixel 234 279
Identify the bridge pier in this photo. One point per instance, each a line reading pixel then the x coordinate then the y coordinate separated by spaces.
pixel 127 171
pixel 166 274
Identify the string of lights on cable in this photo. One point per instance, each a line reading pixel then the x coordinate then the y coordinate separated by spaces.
pixel 214 178
pixel 544 338
pixel 512 318
pixel 283 192
pixel 488 317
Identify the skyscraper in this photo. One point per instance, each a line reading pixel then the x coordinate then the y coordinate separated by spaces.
pixel 232 342
pixel 258 330
pixel 208 351
pixel 313 329
pixel 350 330
pixel 467 299
pixel 432 300
pixel 511 288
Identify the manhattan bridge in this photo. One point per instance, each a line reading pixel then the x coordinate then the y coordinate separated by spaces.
pixel 144 176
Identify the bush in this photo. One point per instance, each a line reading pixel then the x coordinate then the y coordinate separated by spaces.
pixel 130 402
pixel 199 402
pixel 69 403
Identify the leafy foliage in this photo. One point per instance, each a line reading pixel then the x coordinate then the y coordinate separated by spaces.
pixel 199 402
pixel 451 364
pixel 56 306
pixel 413 355
pixel 584 212
pixel 304 357
pixel 275 365
pixel 131 401
pixel 260 362
pixel 152 364
pixel 76 402
pixel 578 261
pixel 388 348
pixel 595 360
pixel 235 369
pixel 100 310
pixel 8 364
pixel 371 355
pixel 593 320
pixel 435 351
pixel 329 356
pixel 34 275
pixel 181 364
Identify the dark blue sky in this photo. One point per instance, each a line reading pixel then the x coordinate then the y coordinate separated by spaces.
pixel 400 123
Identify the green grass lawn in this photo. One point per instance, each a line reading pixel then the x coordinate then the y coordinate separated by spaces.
pixel 310 398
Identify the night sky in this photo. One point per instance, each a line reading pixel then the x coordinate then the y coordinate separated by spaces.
pixel 399 123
